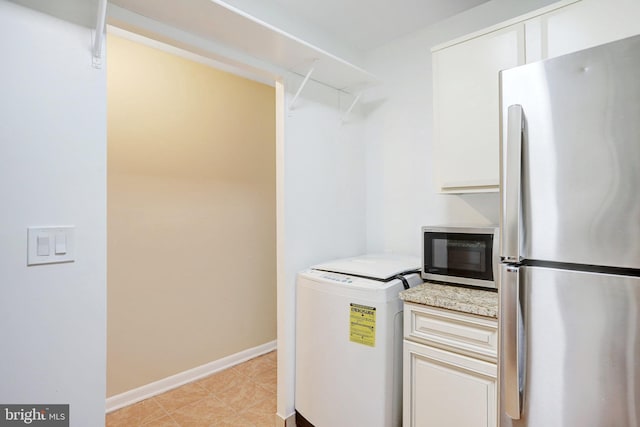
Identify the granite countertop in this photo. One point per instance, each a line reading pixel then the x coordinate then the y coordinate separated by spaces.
pixel 466 300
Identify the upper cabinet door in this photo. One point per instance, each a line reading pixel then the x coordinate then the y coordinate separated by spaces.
pixel 466 108
pixel 580 26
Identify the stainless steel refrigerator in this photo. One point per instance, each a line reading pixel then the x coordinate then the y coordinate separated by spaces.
pixel 570 249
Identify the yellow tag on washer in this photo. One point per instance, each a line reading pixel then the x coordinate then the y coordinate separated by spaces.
pixel 362 325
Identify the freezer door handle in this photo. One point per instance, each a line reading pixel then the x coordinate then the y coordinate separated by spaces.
pixel 511 186
pixel 512 339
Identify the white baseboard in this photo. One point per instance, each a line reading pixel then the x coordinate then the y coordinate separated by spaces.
pixel 149 390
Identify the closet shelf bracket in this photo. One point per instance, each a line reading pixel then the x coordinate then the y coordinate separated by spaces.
pixel 98 38
pixel 303 84
pixel 353 104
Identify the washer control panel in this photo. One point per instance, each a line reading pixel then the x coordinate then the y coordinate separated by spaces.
pixel 335 277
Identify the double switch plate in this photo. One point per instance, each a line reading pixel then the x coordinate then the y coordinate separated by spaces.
pixel 48 245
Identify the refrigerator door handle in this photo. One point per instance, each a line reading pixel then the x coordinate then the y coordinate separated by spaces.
pixel 511 185
pixel 512 339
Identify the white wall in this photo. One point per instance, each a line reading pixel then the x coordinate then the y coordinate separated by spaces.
pixel 321 202
pixel 401 194
pixel 53 170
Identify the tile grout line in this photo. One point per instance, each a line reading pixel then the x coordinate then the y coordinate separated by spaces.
pixel 174 421
pixel 166 413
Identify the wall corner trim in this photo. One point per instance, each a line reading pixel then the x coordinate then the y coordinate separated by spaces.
pixel 289 421
pixel 157 387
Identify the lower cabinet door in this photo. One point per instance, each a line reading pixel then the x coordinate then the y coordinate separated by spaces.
pixel 444 389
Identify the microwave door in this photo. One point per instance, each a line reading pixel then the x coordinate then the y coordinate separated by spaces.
pixel 460 258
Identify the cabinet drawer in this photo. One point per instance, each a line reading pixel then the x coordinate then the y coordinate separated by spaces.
pixel 459 332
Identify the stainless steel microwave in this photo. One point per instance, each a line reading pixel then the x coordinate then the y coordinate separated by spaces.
pixel 467 256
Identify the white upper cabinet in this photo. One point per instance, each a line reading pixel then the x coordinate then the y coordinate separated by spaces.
pixel 580 26
pixel 466 84
pixel 466 80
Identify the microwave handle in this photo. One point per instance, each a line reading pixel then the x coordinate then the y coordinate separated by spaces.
pixel 511 177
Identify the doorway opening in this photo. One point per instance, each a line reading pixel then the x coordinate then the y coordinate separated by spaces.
pixel 191 216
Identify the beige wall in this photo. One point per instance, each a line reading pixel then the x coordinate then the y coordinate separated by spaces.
pixel 191 215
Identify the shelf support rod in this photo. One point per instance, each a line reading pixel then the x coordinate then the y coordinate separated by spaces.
pixel 353 104
pixel 302 85
pixel 97 40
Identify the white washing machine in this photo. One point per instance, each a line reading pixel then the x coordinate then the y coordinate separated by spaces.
pixel 349 341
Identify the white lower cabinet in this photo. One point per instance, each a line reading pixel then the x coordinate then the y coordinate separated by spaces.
pixel 446 389
pixel 446 385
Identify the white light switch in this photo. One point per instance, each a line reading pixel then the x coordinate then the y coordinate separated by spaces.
pixel 42 244
pixel 48 245
pixel 61 243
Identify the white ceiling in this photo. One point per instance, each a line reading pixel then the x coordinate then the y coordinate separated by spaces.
pixel 366 24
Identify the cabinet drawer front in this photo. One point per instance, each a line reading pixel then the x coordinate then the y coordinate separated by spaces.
pixel 462 333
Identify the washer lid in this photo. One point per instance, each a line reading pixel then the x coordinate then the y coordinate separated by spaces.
pixel 377 266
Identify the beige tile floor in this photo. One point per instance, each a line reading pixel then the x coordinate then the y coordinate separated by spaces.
pixel 241 396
